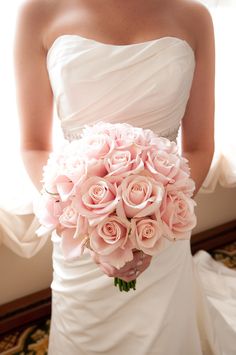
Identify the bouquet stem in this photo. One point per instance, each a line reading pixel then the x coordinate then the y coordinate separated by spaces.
pixel 123 285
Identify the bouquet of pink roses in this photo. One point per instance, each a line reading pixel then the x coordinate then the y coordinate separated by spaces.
pixel 116 189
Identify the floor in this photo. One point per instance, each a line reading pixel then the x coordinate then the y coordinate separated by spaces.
pixel 33 340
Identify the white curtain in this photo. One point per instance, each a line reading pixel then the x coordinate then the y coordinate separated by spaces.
pixel 223 168
pixel 17 223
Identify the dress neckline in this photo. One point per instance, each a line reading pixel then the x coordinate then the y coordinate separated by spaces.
pixel 111 45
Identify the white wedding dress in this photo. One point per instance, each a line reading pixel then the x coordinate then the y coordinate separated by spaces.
pixel 182 305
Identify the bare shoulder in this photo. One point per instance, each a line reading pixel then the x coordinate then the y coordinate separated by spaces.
pixel 35 11
pixel 34 17
pixel 198 21
pixel 200 15
pixel 198 120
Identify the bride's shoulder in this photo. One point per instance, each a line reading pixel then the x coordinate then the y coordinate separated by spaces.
pixel 36 8
pixel 196 14
pixel 38 13
pixel 198 21
pixel 34 18
pixel 195 10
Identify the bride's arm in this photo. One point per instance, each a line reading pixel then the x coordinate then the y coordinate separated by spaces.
pixel 33 90
pixel 35 104
pixel 198 121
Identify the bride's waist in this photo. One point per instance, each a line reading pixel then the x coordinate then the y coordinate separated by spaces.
pixel 171 257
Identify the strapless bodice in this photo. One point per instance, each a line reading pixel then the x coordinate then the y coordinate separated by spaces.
pixel 145 84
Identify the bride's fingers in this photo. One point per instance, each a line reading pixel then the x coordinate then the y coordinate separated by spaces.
pixel 109 270
pixel 129 271
pixel 131 264
pixel 139 259
pixel 137 270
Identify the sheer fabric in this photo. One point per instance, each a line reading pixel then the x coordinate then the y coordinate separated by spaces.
pixel 223 168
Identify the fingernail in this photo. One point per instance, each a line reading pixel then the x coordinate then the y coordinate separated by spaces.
pixel 139 263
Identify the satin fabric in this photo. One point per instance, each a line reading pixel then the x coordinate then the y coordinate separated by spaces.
pixel 147 85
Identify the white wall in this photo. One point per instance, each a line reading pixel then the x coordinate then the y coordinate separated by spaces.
pixel 20 277
pixel 215 208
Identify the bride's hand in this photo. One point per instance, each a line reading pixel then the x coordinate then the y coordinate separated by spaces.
pixel 130 271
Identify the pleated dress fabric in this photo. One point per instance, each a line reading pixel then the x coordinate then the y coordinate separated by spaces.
pixel 147 85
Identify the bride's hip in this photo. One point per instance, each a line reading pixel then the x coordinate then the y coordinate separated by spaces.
pixel 83 272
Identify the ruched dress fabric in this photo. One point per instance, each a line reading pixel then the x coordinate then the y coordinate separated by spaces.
pixel 147 85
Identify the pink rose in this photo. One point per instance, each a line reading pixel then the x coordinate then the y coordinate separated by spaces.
pixel 127 135
pixel 185 166
pixel 70 173
pixel 186 185
pixel 149 135
pixel 73 247
pixel 164 144
pixel 82 227
pixel 110 239
pixel 64 186
pixel 96 198
pixel 96 168
pixel 123 134
pixel 124 162
pixel 177 212
pixel 184 171
pixel 147 235
pixel 141 196
pixel 74 231
pixel 163 166
pixel 97 146
pixel 49 209
pixel 69 217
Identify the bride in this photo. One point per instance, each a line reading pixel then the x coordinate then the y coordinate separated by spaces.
pixel 150 64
